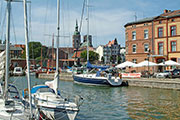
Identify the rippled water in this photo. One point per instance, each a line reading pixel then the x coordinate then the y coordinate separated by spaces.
pixel 116 103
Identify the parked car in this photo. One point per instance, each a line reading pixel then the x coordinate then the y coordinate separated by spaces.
pixel 164 74
pixel 175 73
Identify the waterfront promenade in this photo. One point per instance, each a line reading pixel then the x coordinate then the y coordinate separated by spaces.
pixel 139 82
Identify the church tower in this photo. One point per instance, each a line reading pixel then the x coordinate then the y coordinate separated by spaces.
pixel 76 37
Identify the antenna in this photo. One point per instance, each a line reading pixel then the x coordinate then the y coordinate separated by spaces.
pixel 135 16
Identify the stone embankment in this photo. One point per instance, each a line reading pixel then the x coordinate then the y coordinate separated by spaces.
pixel 154 83
pixel 50 76
pixel 138 82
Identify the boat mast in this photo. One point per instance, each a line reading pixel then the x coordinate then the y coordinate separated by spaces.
pixel 57 44
pixel 27 55
pixel 7 49
pixel 87 31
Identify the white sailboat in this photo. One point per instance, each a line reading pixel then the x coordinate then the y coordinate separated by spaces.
pixel 11 104
pixel 48 99
pixel 96 79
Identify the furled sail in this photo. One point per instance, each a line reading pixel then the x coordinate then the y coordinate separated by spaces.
pixel 2 65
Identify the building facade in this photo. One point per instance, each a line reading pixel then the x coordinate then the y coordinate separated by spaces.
pixel 109 53
pixel 167 36
pixel 138 40
pixel 89 39
pixel 76 38
pixel 156 38
pixel 15 52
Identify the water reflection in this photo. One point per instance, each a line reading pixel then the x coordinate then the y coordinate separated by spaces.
pixel 116 103
pixel 147 103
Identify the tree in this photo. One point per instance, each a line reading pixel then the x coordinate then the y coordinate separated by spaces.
pixel 102 59
pixel 119 59
pixel 35 51
pixel 92 56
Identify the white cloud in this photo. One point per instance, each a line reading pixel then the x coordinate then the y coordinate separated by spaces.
pixel 104 25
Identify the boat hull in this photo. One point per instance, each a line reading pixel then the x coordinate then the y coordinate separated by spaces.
pixel 90 80
pixel 58 113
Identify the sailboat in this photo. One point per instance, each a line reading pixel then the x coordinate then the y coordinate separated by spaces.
pixel 47 98
pixel 107 78
pixel 11 103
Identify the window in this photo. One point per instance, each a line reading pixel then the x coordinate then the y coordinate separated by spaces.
pixel 145 34
pixel 173 46
pixel 134 60
pixel 160 32
pixel 173 30
pixel 126 36
pixel 134 35
pixel 146 47
pixel 160 48
pixel 134 49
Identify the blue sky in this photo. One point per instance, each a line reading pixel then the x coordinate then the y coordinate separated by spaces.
pixel 107 19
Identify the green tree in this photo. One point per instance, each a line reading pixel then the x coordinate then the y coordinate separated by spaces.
pixel 35 51
pixel 102 59
pixel 119 59
pixel 92 56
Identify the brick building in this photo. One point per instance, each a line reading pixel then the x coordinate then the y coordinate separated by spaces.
pixel 157 36
pixel 15 51
pixel 167 36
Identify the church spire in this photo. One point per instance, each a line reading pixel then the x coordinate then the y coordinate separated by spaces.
pixel 76 32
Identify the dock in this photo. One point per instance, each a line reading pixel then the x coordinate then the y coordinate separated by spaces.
pixel 137 82
pixel 62 76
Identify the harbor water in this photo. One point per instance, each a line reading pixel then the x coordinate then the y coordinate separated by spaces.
pixel 118 103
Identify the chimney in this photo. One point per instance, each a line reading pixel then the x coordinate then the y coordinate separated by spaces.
pixel 165 11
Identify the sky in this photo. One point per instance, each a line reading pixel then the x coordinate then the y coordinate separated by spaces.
pixel 106 17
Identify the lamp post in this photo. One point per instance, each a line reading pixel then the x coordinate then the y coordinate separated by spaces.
pixel 148 60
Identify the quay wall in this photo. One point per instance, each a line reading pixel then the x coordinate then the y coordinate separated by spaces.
pixel 138 82
pixel 62 76
pixel 154 83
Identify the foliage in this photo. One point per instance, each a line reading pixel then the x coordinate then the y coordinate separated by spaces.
pixel 119 60
pixel 35 51
pixel 102 59
pixel 92 56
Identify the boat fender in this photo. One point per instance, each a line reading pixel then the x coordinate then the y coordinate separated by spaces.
pixel 120 75
pixel 25 92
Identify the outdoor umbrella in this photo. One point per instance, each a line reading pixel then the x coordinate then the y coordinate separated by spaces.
pixel 169 63
pixel 125 64
pixel 145 63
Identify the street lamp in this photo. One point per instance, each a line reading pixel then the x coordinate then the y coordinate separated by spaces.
pixel 148 55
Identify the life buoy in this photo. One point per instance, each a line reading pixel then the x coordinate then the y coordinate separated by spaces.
pixel 120 75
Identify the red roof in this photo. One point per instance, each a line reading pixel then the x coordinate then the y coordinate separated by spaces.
pixel 111 42
pixel 78 54
pixel 171 13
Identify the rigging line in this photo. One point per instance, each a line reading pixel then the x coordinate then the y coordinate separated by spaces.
pixel 63 29
pixel 30 32
pixel 3 23
pixel 94 24
pixel 68 17
pixel 1 11
pixel 14 31
pixel 82 15
pixel 45 21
